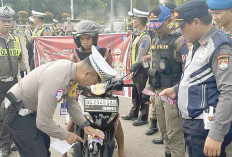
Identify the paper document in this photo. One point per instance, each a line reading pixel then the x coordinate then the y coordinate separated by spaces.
pixel 164 98
pixel 61 146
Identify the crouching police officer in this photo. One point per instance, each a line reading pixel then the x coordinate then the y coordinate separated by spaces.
pixel 11 57
pixel 29 106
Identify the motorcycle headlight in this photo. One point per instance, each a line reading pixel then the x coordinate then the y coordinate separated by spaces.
pixel 98 89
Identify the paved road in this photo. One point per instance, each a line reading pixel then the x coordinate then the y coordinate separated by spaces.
pixel 137 144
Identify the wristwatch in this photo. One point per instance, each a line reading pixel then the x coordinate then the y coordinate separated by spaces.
pixel 86 123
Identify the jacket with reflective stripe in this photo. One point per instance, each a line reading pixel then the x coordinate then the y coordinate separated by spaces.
pixel 198 88
pixel 15 55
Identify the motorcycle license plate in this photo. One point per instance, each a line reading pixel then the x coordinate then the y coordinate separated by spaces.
pixel 100 105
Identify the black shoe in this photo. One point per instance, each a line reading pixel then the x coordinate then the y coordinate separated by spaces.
pixel 167 154
pixel 158 140
pixel 151 131
pixel 139 122
pixel 13 147
pixel 6 152
pixel 128 117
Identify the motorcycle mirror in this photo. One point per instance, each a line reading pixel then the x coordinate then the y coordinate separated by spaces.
pixel 135 67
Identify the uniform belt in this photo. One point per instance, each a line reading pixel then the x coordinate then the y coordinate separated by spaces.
pixel 199 117
pixel 9 79
pixel 22 111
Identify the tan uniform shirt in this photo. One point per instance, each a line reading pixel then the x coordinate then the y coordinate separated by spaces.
pixel 28 33
pixel 143 46
pixel 68 28
pixel 38 91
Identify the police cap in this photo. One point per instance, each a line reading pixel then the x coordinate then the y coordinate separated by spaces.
pixel 37 14
pixel 158 16
pixel 31 20
pixel 103 69
pixel 138 13
pixel 6 13
pixel 188 11
pixel 219 5
pixel 55 21
pixel 117 52
pixel 130 13
pixel 171 6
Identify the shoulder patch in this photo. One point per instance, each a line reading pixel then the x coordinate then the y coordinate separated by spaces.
pixel 144 43
pixel 59 94
pixel 223 62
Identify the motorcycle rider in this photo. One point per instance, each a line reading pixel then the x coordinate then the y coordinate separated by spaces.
pixel 86 35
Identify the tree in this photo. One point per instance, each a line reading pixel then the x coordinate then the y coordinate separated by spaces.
pixel 22 17
pixel 49 17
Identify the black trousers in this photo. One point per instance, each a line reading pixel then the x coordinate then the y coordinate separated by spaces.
pixel 195 135
pixel 5 137
pixel 30 141
pixel 139 100
pixel 29 47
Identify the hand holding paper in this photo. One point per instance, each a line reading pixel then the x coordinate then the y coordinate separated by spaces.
pixel 164 98
pixel 61 146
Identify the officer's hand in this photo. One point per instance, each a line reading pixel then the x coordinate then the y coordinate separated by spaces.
pixel 32 39
pixel 73 138
pixel 168 92
pixel 146 58
pixel 91 131
pixel 212 148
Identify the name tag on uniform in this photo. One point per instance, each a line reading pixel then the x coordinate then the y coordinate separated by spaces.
pixel 64 108
pixel 208 116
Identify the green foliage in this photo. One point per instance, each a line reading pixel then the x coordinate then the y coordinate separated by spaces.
pixel 87 9
pixel 49 17
pixel 22 20
pixel 22 14
pixel 64 16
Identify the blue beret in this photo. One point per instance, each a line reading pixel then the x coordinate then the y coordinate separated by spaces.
pixel 219 4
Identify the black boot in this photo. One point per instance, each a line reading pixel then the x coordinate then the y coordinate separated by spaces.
pixel 153 127
pixel 167 154
pixel 158 140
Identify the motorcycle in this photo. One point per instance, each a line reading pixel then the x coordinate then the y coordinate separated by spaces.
pixel 102 111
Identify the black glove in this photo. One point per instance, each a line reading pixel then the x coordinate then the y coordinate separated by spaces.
pixel 23 73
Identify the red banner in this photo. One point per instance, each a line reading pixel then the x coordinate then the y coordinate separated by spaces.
pixel 54 48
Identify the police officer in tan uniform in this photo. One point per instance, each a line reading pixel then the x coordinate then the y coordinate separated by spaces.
pixel 68 26
pixel 41 91
pixel 140 47
pixel 28 34
pixel 40 29
pixel 11 56
pixel 54 28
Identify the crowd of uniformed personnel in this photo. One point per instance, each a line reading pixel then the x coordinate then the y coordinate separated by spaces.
pixel 188 49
